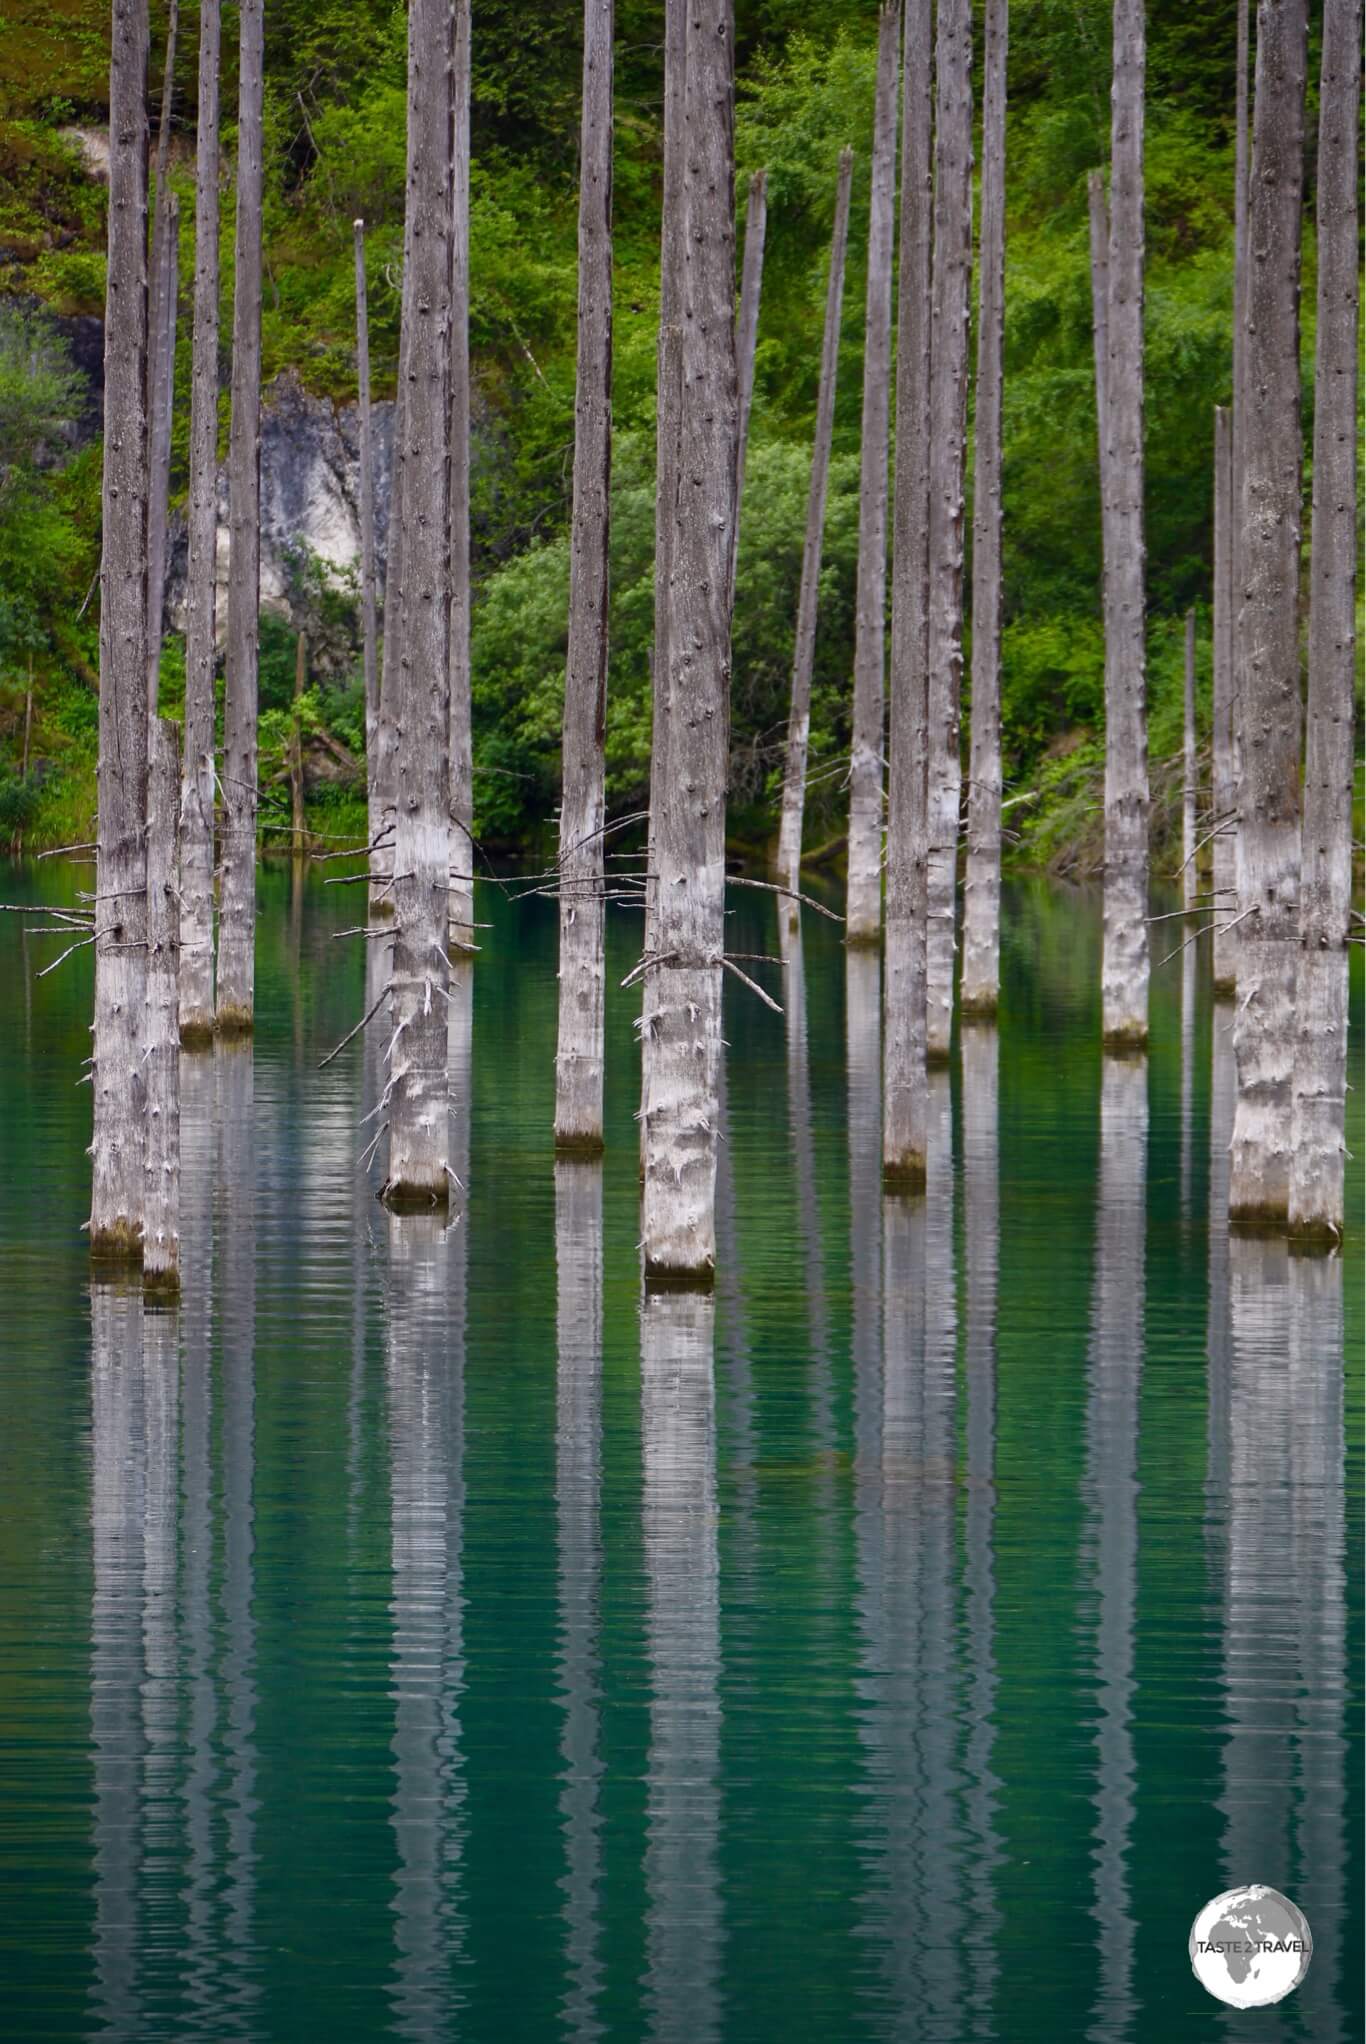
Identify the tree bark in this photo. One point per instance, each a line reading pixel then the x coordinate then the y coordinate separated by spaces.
pixel 197 768
pixel 118 1076
pixel 1267 643
pixel 579 1056
pixel 1223 765
pixel 804 653
pixel 1238 428
pixel 237 898
pixel 747 340
pixel 419 1136
pixel 1190 773
pixel 461 727
pixel 369 655
pixel 905 1090
pixel 681 1021
pixel 863 906
pixel 382 866
pixel 1318 1147
pixel 161 351
pixel 161 1235
pixel 296 755
pixel 979 993
pixel 1124 967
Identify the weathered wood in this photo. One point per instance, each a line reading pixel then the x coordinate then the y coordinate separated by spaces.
pixel 681 1021
pixel 1098 217
pixel 1318 1147
pixel 863 906
pixel 161 367
pixel 1267 641
pixel 979 992
pixel 386 748
pixel 369 649
pixel 296 749
pixel 579 1053
pixel 905 1089
pixel 747 340
pixel 804 650
pixel 161 1056
pixel 1190 774
pixel 419 1135
pixel 461 726
pixel 118 1080
pixel 1223 765
pixel 237 897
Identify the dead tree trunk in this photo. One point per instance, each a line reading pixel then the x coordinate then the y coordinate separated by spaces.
pixel 370 657
pixel 197 768
pixel 1237 437
pixel 681 1022
pixel 747 340
pixel 237 898
pixel 804 655
pixel 461 727
pixel 419 1136
pixel 1223 765
pixel 118 1077
pixel 1267 643
pixel 296 753
pixel 1190 773
pixel 979 993
pixel 382 866
pixel 905 1090
pixel 163 289
pixel 1320 1075
pixel 863 908
pixel 161 1232
pixel 579 1056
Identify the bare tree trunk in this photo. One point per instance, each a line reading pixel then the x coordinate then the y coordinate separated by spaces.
pixel 237 899
pixel 681 1022
pixel 905 1089
pixel 1190 773
pixel 367 551
pixel 382 865
pixel 1267 644
pixel 461 727
pixel 161 350
pixel 863 907
pixel 161 1232
pixel 118 1076
pixel 979 993
pixel 1223 764
pixel 950 313
pixel 419 1135
pixel 197 769
pixel 1098 214
pixel 1237 438
pixel 1318 1148
pixel 1124 968
pixel 296 753
pixel 804 655
pixel 747 341
pixel 579 1056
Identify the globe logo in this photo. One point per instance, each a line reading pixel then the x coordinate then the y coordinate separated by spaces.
pixel 1250 1947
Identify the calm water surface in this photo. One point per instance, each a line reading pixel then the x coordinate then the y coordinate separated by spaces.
pixel 411 1637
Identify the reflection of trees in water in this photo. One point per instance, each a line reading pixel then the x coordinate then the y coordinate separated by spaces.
pixel 808 1202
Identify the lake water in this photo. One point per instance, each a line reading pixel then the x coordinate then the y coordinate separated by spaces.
pixel 410 1637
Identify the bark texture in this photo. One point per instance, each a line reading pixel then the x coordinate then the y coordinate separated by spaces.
pixel 1223 764
pixel 461 728
pixel 863 907
pixel 950 314
pixel 118 1077
pixel 1190 773
pixel 197 768
pixel 370 651
pixel 161 1232
pixel 1318 1148
pixel 386 765
pixel 681 1019
pixel 905 1089
pixel 1267 644
pixel 161 397
pixel 579 1053
pixel 237 897
pixel 747 339
pixel 1238 412
pixel 979 993
pixel 804 652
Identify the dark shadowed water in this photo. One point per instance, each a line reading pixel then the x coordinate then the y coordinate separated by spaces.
pixel 409 1637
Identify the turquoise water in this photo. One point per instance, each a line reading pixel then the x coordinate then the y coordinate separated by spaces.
pixel 410 1637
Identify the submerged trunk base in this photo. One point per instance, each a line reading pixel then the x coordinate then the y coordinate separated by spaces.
pixel 415 1196
pixel 234 1021
pixel 117 1243
pixel 1130 1039
pixel 1225 989
pixel 983 1007
pixel 197 1031
pixel 580 1143
pixel 672 1277
pixel 905 1177
pixel 161 1283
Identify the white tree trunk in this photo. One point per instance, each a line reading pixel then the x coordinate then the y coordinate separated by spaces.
pixel 979 993
pixel 237 896
pixel 804 653
pixel 1190 774
pixel 905 1084
pixel 579 1053
pixel 382 866
pixel 747 340
pixel 118 1078
pixel 461 727
pixel 1237 438
pixel 161 352
pixel 370 653
pixel 863 906
pixel 161 1055
pixel 1318 1148
pixel 1268 635
pixel 950 314
pixel 681 1019
pixel 1223 764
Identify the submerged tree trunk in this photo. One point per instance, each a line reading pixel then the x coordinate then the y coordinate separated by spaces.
pixel 161 1233
pixel 681 1022
pixel 1223 766
pixel 950 313
pixel 1124 968
pixel 579 1055
pixel 118 1075
pixel 369 654
pixel 419 1134
pixel 161 352
pixel 1318 1148
pixel 747 339
pixel 905 1089
pixel 237 899
pixel 980 990
pixel 863 907
pixel 197 769
pixel 1190 773
pixel 461 727
pixel 1267 643
pixel 804 655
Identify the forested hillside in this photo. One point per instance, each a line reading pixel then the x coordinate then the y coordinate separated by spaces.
pixel 334 150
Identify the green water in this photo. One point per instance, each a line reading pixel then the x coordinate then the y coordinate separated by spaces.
pixel 408 1638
